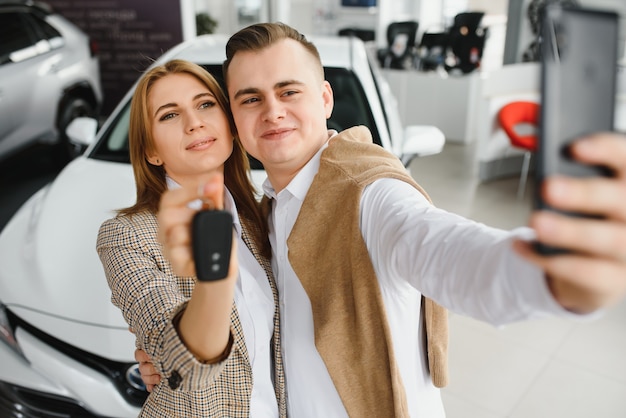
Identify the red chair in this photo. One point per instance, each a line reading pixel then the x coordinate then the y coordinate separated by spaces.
pixel 520 120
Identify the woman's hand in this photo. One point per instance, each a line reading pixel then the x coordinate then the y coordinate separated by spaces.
pixel 175 219
pixel 204 326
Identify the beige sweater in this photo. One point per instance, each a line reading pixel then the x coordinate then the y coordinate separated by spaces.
pixel 351 330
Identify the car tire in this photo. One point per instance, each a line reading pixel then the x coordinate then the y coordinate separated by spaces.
pixel 73 108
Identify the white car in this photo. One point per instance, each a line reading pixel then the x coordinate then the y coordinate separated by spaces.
pixel 64 347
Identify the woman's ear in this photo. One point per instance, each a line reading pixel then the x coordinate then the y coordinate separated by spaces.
pixel 154 159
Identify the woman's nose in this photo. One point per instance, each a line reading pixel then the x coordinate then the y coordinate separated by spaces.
pixel 193 122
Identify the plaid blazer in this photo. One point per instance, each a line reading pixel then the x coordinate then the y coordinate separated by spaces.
pixel 149 295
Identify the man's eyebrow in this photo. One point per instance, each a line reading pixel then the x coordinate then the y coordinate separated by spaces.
pixel 254 90
pixel 249 90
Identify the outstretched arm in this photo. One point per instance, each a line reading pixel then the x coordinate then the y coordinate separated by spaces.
pixel 204 326
pixel 594 275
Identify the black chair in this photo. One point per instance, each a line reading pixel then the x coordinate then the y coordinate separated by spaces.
pixel 400 50
pixel 432 50
pixel 467 41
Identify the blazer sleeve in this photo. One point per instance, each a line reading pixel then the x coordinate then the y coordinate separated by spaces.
pixel 149 295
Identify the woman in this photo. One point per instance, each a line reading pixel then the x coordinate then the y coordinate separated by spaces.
pixel 206 348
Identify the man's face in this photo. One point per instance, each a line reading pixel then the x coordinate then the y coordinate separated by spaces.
pixel 280 104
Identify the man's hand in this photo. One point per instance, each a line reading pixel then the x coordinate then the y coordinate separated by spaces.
pixel 594 275
pixel 149 373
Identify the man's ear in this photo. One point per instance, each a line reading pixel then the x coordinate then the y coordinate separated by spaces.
pixel 328 98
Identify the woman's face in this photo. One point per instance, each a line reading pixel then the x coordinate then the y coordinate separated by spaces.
pixel 191 134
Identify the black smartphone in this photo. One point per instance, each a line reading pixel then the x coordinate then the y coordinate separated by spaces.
pixel 212 236
pixel 578 89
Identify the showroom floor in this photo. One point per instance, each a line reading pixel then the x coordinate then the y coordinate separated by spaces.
pixel 549 368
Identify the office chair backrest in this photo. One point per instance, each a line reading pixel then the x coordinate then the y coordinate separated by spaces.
pixel 407 30
pixel 471 20
pixel 400 50
pixel 467 41
pixel 432 50
pixel 434 39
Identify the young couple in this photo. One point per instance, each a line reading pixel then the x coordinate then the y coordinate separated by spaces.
pixel 355 244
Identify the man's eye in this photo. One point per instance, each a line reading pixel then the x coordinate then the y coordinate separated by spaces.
pixel 290 93
pixel 250 100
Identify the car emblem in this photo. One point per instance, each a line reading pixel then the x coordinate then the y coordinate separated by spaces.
pixel 133 377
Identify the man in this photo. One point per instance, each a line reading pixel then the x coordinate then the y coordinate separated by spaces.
pixel 356 243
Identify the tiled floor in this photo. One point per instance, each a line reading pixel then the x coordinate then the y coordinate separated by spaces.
pixel 552 368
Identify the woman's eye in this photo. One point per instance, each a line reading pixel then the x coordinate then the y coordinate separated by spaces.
pixel 208 104
pixel 167 116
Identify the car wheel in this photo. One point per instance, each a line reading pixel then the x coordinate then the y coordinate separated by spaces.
pixel 74 108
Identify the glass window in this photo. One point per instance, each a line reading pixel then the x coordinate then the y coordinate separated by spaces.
pixel 14 35
pixel 48 31
pixel 44 32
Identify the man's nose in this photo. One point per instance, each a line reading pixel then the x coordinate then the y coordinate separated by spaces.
pixel 274 110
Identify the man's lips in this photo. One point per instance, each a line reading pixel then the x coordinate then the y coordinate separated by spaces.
pixel 276 133
pixel 200 144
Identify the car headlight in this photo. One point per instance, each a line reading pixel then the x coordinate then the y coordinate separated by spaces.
pixel 7 331
pixel 124 376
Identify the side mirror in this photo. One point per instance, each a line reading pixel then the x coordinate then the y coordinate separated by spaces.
pixel 82 131
pixel 421 140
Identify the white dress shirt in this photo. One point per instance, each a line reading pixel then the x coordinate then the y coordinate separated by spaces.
pixel 255 306
pixel 415 248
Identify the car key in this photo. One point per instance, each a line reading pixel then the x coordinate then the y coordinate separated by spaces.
pixel 212 236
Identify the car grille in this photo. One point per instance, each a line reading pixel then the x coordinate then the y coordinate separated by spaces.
pixel 19 402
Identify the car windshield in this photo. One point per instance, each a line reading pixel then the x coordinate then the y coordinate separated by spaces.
pixel 351 108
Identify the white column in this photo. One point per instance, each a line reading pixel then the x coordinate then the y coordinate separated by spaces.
pixel 279 11
pixel 188 17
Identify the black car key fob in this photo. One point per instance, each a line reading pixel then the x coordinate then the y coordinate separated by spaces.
pixel 212 236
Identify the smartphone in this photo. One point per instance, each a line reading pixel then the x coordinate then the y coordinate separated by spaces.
pixel 578 89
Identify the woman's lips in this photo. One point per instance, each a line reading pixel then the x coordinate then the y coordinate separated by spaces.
pixel 200 145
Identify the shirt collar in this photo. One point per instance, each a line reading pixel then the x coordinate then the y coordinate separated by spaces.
pixel 300 184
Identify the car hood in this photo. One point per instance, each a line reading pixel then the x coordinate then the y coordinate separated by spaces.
pixel 50 273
